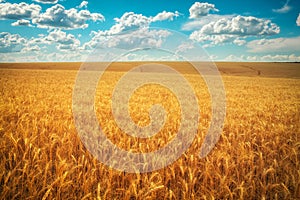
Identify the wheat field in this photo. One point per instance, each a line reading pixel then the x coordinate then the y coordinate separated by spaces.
pixel 42 157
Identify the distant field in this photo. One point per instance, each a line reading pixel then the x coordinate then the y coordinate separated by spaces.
pixel 257 156
pixel 264 69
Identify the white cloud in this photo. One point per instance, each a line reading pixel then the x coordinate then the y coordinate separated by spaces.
pixel 131 31
pixel 274 45
pixel 38 41
pixel 60 39
pixel 142 37
pixel 132 21
pixel 129 21
pixel 165 16
pixel 284 9
pixel 198 9
pixel 198 23
pixel 233 58
pixel 46 1
pixel 274 57
pixel 11 42
pixel 19 10
pixel 213 29
pixel 35 55
pixel 239 42
pixel 138 56
pixel 228 30
pixel 252 58
pixel 58 17
pixel 183 47
pixel 268 58
pixel 298 20
pixel 15 48
pixel 263 58
pixel 241 25
pixel 214 39
pixel 63 57
pixel 21 22
pixel 294 58
pixel 31 48
pixel 83 4
pixel 213 57
pixel 63 40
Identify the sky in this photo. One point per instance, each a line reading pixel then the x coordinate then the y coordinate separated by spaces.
pixel 233 30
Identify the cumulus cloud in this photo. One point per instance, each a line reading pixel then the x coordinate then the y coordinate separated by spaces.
pixel 274 45
pixel 252 58
pixel 183 47
pixel 265 58
pixel 61 39
pixel 36 54
pixel 46 1
pixel 213 29
pixel 284 9
pixel 131 30
pixel 241 25
pixel 148 56
pixel 58 17
pixel 83 4
pixel 21 22
pixel 298 20
pixel 239 42
pixel 165 16
pixel 233 58
pixel 226 30
pixel 19 10
pixel 198 23
pixel 214 39
pixel 37 41
pixel 142 37
pixel 11 42
pixel 31 48
pixel 294 58
pixel 64 41
pixel 262 58
pixel 129 21
pixel 281 57
pixel 15 48
pixel 63 57
pixel 198 9
pixel 57 37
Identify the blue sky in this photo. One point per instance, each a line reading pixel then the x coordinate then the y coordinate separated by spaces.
pixel 64 30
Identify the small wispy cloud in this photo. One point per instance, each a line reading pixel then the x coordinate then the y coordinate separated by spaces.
pixel 83 4
pixel 198 10
pixel 46 1
pixel 284 9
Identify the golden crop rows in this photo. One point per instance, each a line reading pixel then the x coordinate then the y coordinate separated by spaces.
pixel 42 157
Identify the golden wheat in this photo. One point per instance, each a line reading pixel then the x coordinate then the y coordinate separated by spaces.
pixel 42 157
